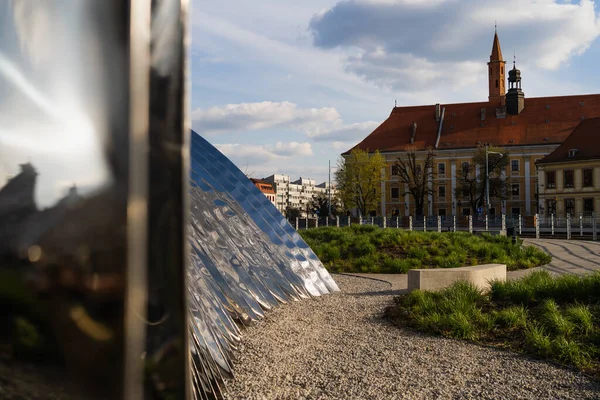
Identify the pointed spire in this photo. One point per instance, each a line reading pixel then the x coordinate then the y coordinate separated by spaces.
pixel 496 52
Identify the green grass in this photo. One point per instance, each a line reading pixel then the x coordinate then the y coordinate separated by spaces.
pixel 556 318
pixel 365 248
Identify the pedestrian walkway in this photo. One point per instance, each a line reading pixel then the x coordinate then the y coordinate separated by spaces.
pixel 568 257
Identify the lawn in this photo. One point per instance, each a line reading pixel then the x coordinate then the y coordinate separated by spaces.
pixel 365 248
pixel 555 318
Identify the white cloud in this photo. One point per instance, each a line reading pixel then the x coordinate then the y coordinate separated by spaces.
pixel 265 152
pixel 291 149
pixel 343 132
pixel 263 115
pixel 319 124
pixel 412 45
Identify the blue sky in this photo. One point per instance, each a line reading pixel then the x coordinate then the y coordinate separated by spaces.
pixel 283 86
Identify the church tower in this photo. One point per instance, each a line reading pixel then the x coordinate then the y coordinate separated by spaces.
pixel 515 98
pixel 496 74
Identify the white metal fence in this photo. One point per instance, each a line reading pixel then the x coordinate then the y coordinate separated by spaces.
pixel 548 226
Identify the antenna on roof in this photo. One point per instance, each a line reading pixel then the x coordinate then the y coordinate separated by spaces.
pixel 395 103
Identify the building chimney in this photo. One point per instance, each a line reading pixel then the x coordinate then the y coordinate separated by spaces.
pixel 437 112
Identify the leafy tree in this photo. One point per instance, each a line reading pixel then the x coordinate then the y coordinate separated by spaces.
pixel 472 186
pixel 417 176
pixel 320 205
pixel 292 212
pixel 359 178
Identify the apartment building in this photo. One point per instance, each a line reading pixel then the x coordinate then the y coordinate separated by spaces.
pixel 297 194
pixel 266 188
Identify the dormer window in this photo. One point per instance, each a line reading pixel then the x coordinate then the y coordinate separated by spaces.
pixel 573 152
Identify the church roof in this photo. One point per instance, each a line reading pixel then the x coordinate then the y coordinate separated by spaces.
pixel 496 52
pixel 583 140
pixel 545 120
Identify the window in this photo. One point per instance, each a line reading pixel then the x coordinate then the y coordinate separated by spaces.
pixel 515 189
pixel 550 207
pixel 442 191
pixel 588 177
pixel 465 191
pixel 492 211
pixel 515 210
pixel 588 206
pixel 466 211
pixel 442 212
pixel 569 180
pixel 496 82
pixel 514 165
pixel 465 167
pixel 395 170
pixel 551 179
pixel 419 169
pixel 570 206
pixel 573 152
pixel 395 193
pixel 501 70
pixel 442 168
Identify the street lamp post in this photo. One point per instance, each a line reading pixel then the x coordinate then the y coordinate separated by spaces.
pixel 329 190
pixel 487 178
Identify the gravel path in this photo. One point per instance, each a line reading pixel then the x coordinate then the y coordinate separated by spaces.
pixel 338 347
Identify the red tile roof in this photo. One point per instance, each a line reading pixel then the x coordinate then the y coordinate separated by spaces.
pixel 263 186
pixel 545 120
pixel 585 139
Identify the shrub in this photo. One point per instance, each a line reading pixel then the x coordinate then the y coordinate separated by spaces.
pixel 532 314
pixel 581 316
pixel 339 248
pixel 512 317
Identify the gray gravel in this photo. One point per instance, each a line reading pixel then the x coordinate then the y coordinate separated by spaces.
pixel 338 347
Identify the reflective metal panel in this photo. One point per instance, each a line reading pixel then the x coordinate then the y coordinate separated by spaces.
pixel 64 196
pixel 245 259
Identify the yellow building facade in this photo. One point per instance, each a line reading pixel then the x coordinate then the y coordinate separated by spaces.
pixel 569 177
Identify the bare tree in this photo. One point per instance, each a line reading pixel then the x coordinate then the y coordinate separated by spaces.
pixel 472 185
pixel 416 173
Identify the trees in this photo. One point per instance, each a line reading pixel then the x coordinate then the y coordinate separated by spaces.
pixel 417 176
pixel 359 180
pixel 471 180
pixel 320 205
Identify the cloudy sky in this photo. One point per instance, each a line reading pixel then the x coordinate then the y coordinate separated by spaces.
pixel 283 86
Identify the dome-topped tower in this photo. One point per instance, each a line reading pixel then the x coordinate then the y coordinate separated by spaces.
pixel 515 98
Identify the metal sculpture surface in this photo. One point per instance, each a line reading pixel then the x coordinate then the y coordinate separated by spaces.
pixel 114 269
pixel 245 258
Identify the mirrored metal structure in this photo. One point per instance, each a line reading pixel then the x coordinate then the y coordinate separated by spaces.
pixel 245 259
pixel 93 199
pixel 129 259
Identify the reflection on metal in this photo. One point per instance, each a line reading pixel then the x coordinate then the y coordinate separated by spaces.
pixel 245 259
pixel 92 220
pixel 96 240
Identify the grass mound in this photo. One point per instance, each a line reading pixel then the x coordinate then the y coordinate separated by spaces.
pixel 557 318
pixel 366 248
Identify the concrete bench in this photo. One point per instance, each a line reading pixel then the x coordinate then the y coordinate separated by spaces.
pixel 440 278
